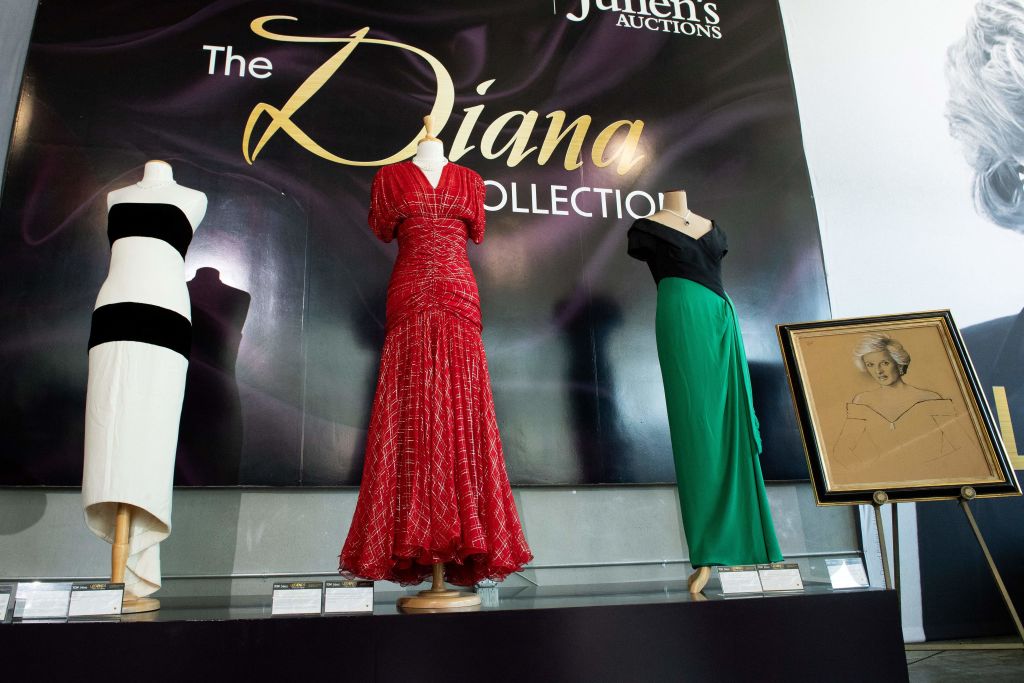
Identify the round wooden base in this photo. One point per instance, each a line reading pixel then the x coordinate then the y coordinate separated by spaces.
pixel 699 579
pixel 133 605
pixel 439 601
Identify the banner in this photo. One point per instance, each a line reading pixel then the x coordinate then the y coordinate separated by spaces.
pixel 577 114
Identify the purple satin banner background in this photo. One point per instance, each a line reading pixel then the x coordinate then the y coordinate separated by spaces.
pixel 286 280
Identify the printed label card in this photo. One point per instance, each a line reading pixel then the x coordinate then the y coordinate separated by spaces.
pixel 41 600
pixel 96 599
pixel 6 592
pixel 297 597
pixel 780 577
pixel 347 597
pixel 739 579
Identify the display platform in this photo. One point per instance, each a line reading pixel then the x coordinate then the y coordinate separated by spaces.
pixel 625 632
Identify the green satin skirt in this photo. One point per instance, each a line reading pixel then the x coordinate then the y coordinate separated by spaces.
pixel 715 438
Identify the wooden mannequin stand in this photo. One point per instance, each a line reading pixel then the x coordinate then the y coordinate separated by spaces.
pixel 438 597
pixel 119 560
pixel 698 580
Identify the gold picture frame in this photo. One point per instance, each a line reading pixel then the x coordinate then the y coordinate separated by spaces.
pixel 892 403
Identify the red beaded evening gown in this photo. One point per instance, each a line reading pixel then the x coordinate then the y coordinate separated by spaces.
pixel 434 485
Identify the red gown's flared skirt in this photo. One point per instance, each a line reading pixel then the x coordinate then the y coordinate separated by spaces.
pixel 434 483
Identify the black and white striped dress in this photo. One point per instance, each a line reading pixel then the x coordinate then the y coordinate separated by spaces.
pixel 138 358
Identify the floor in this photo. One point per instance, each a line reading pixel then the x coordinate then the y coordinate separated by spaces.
pixel 940 665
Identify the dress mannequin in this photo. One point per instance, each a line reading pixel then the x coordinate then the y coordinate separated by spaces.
pixel 158 187
pixel 676 214
pixel 431 160
pixel 430 156
pixel 715 437
pixel 434 499
pixel 138 358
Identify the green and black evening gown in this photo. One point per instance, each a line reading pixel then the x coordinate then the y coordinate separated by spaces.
pixel 715 438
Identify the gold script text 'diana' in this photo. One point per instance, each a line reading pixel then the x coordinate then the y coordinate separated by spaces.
pixel 619 141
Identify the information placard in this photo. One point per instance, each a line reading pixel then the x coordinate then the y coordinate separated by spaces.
pixel 739 579
pixel 780 577
pixel 297 597
pixel 5 601
pixel 847 572
pixel 41 600
pixel 346 597
pixel 96 599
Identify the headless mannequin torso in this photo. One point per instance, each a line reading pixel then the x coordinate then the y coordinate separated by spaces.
pixel 132 278
pixel 158 187
pixel 676 214
pixel 430 159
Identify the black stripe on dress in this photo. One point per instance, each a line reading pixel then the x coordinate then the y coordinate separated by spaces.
pixel 146 323
pixel 165 222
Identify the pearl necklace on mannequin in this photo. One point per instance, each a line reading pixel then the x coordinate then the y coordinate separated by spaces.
pixel 686 218
pixel 152 186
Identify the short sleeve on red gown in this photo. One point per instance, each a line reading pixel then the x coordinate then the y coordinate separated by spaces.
pixel 384 216
pixel 478 222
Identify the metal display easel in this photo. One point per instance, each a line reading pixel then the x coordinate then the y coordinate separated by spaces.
pixel 967 494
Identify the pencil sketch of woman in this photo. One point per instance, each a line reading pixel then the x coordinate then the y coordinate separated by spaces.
pixel 898 432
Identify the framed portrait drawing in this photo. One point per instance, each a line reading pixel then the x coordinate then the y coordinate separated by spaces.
pixel 892 403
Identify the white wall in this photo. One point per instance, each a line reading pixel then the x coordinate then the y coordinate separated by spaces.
pixel 898 226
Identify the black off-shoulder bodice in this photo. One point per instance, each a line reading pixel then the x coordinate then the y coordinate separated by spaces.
pixel 670 253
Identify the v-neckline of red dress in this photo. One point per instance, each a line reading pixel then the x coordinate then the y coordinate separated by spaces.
pixel 423 176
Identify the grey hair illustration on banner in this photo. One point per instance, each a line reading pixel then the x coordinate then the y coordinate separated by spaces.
pixel 985 71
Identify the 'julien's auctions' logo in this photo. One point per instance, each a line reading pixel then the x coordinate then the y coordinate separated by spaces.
pixel 687 17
